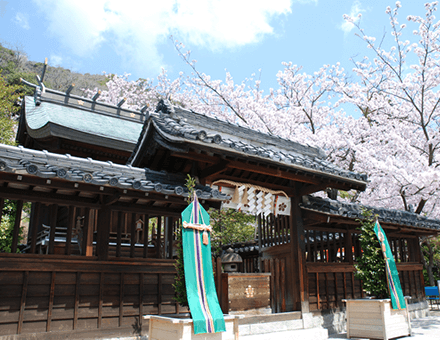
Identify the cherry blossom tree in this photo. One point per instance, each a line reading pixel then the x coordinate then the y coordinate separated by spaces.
pixel 397 94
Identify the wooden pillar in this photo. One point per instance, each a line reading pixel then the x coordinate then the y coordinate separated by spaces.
pixel 104 220
pixel 169 224
pixel 70 226
pixel 349 247
pixel 17 224
pixel 34 226
pixel 87 234
pixel 300 279
pixel 260 235
pixel 53 225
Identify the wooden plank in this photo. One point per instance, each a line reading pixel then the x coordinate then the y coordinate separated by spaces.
pixel 271 268
pixel 353 286
pixel 326 290
pixel 22 301
pixel 121 298
pixel 75 313
pixel 34 226
pixel 146 233
pixel 101 289
pixel 159 294
pixel 51 297
pixel 141 297
pixel 17 224
pixel 283 284
pixel 70 226
pixel 345 286
pixel 317 292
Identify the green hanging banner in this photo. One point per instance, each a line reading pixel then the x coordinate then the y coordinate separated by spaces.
pixel 397 298
pixel 199 278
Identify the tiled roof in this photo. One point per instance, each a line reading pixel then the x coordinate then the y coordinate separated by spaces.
pixel 354 211
pixel 69 117
pixel 44 164
pixel 182 126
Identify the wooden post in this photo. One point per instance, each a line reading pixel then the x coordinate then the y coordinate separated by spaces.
pixel 169 226
pixel 51 297
pixel 53 226
pixel 87 234
pixel 146 227
pixel 16 225
pixel 70 226
pixel 104 220
pixel 133 235
pixel 349 246
pixel 301 297
pixel 34 226
pixel 218 277
pixel 22 301
pixel 121 219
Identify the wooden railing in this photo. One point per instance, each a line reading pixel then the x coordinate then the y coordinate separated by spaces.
pixel 41 294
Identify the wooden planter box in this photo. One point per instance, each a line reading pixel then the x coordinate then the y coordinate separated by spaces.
pixel 165 328
pixel 369 318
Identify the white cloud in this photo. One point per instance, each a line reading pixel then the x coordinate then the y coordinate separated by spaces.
pixel 355 12
pixel 55 60
pixel 135 29
pixel 22 20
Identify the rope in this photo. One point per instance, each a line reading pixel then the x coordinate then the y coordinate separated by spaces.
pixel 247 185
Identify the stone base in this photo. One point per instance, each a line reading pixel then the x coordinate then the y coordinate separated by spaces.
pixel 303 334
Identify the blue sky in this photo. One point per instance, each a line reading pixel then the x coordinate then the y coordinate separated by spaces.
pixel 240 36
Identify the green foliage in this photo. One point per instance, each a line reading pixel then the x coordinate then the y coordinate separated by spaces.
pixel 430 247
pixel 179 283
pixel 190 185
pixel 9 95
pixel 370 267
pixel 7 226
pixel 230 226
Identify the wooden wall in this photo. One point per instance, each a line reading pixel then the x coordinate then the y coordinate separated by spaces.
pixel 41 294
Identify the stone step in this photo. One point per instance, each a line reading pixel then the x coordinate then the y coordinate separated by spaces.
pixel 303 334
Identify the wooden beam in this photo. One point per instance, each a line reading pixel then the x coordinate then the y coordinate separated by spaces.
pixel 214 169
pixel 47 198
pixel 286 189
pixel 299 175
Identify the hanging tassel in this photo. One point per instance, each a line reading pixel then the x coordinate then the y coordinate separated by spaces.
pixel 205 238
pixel 235 197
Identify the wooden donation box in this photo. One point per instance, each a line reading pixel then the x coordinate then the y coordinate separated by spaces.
pixel 245 292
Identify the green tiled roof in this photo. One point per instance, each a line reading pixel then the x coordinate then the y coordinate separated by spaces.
pixel 81 120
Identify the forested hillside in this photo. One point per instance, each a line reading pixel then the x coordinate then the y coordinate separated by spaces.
pixel 14 64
